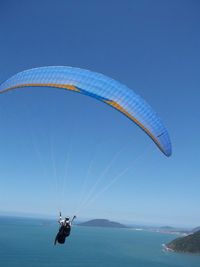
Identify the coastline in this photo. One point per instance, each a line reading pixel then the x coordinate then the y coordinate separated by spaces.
pixel 166 248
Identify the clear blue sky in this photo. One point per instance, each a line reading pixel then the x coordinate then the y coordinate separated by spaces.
pixel 151 46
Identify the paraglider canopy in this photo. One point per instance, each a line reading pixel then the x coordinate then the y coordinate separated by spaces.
pixel 100 87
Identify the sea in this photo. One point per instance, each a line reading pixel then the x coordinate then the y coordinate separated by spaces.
pixel 29 243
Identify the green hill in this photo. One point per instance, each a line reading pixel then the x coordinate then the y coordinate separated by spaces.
pixel 102 223
pixel 190 243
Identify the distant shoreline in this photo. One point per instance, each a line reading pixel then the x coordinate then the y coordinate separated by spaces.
pixel 176 231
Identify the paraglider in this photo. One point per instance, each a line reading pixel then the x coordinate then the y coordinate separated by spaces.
pixel 99 87
pixel 64 230
pixel 102 88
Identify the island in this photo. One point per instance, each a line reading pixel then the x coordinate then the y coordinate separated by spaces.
pixel 102 223
pixel 189 243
